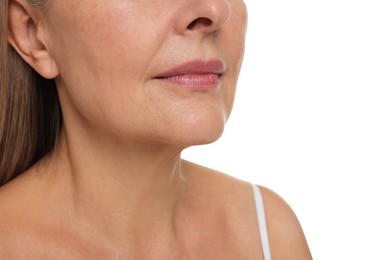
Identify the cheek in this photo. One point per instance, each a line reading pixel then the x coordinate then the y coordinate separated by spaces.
pixel 234 34
pixel 97 40
pixel 101 51
pixel 102 55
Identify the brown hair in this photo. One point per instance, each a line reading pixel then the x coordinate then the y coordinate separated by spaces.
pixel 30 114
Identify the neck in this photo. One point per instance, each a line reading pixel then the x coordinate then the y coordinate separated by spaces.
pixel 117 187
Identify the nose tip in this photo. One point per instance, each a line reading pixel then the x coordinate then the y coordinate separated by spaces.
pixel 204 15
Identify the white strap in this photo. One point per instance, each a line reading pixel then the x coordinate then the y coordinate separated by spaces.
pixel 262 222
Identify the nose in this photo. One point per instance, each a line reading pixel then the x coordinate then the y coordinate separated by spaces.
pixel 202 16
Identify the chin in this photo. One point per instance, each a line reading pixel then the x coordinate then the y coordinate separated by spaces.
pixel 200 127
pixel 203 135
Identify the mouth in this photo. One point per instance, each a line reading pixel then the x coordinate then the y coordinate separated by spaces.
pixel 196 74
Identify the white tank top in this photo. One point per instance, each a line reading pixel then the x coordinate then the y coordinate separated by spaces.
pixel 262 222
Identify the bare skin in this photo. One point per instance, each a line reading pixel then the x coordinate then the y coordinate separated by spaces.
pixel 213 218
pixel 115 186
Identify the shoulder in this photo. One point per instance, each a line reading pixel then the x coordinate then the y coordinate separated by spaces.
pixel 17 209
pixel 286 237
pixel 287 240
pixel 227 206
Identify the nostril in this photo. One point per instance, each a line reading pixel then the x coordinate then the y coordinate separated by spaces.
pixel 202 21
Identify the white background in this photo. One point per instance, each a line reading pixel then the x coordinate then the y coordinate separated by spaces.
pixel 312 120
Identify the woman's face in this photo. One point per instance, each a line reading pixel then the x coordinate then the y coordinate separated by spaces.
pixel 150 70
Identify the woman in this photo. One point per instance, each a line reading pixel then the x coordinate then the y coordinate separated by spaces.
pixel 98 99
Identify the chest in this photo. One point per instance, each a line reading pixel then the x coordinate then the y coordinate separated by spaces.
pixel 61 247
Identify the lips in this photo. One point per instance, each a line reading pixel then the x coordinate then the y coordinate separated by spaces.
pixel 197 74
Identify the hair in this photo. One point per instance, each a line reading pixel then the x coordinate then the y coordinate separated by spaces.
pixel 30 113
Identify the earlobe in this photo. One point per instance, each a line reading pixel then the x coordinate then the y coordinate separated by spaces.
pixel 24 36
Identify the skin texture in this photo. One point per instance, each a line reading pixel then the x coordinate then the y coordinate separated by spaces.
pixel 115 186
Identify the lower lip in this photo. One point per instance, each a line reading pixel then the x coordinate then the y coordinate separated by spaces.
pixel 194 81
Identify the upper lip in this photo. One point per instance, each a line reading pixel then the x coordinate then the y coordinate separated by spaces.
pixel 214 66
